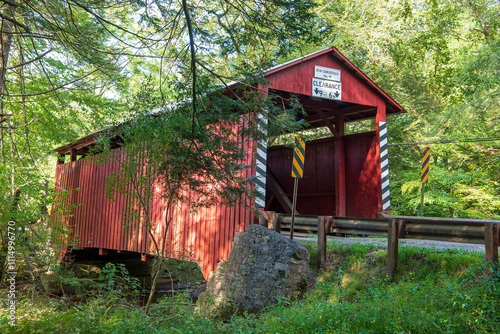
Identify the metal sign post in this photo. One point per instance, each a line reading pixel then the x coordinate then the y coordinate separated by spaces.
pixel 294 204
pixel 424 176
pixel 297 172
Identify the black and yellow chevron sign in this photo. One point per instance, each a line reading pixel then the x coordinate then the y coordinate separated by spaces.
pixel 425 164
pixel 298 157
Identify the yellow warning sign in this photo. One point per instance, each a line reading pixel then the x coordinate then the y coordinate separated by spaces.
pixel 425 164
pixel 298 157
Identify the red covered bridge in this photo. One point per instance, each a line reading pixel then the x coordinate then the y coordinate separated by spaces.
pixel 344 175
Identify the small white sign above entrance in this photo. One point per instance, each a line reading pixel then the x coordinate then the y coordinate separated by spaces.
pixel 326 73
pixel 327 89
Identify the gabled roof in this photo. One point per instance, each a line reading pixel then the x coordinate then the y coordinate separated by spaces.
pixel 346 62
pixel 287 66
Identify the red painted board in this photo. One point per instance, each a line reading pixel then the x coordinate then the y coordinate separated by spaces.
pixel 362 175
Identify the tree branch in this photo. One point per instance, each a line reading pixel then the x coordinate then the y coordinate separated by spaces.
pixel 19 126
pixel 22 25
pixel 30 61
pixel 12 3
pixel 102 19
pixel 60 86
pixel 193 61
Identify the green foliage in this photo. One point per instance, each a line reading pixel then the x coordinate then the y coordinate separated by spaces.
pixel 80 66
pixel 185 271
pixel 75 67
pixel 25 223
pixel 433 292
pixel 111 283
pixel 455 188
pixel 116 282
pixel 439 60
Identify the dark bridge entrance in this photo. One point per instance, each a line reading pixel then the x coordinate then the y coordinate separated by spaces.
pixel 317 191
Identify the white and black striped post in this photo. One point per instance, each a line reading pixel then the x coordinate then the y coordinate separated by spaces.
pixel 260 175
pixel 384 167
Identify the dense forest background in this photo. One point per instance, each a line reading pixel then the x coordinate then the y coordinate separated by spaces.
pixel 440 60
pixel 70 68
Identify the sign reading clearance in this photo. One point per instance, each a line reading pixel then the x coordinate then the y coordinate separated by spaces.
pixel 326 83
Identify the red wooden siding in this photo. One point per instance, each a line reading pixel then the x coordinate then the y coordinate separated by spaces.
pixel 363 183
pixel 316 190
pixel 353 88
pixel 296 77
pixel 98 223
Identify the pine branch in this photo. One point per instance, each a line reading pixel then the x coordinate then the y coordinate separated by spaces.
pixel 12 3
pixel 102 19
pixel 30 61
pixel 193 61
pixel 17 23
pixel 19 126
pixel 60 86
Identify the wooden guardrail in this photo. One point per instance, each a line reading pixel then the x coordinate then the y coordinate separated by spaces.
pixel 476 231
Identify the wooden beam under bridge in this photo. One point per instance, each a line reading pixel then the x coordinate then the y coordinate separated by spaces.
pixel 279 193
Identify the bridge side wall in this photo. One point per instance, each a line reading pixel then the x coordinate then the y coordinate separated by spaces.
pixel 204 236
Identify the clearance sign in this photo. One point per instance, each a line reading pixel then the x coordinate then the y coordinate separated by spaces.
pixel 326 83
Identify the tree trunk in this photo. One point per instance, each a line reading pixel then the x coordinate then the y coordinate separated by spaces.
pixel 159 265
pixel 157 268
pixel 6 40
pixel 6 35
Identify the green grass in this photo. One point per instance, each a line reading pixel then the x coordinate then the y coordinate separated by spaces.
pixel 433 292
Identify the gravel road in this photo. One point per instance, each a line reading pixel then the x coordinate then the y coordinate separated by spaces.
pixel 402 243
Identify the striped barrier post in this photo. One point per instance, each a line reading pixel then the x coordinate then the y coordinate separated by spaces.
pixel 384 167
pixel 260 171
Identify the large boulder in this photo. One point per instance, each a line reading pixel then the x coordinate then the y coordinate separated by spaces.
pixel 262 267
